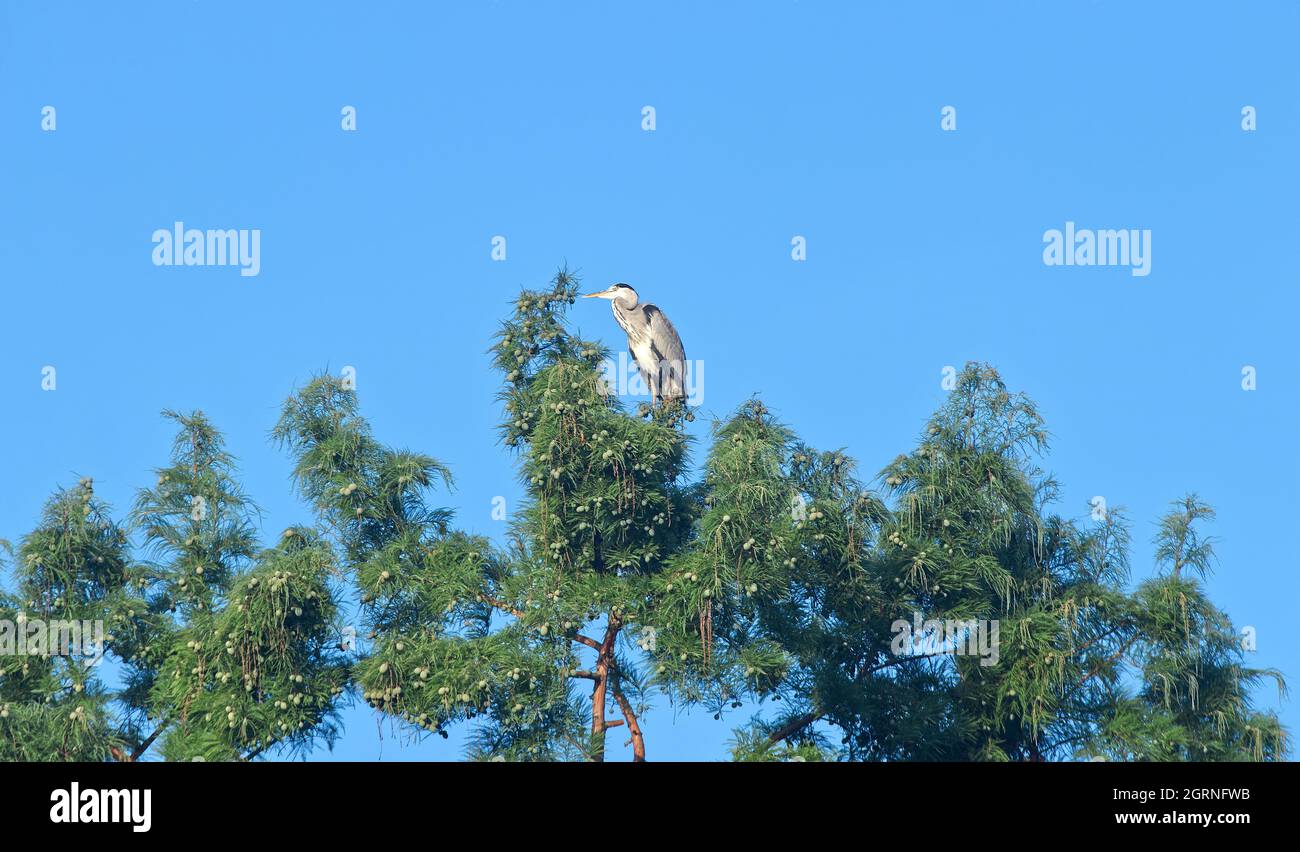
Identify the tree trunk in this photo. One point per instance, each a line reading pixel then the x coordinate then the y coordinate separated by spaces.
pixel 599 692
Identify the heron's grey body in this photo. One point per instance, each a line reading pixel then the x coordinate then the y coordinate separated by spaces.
pixel 653 342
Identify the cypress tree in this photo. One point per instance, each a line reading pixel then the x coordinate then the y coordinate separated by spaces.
pixel 772 574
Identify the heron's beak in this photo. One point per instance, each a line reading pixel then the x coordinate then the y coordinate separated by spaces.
pixel 593 295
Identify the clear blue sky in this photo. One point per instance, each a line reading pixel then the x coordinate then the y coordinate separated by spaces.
pixel 773 120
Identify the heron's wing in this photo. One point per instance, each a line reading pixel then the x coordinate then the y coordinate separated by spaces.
pixel 668 352
pixel 636 359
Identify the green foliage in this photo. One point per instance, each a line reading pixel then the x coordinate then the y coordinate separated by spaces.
pixel 265 670
pixel 771 575
pixel 619 579
pixel 1193 676
pixel 968 537
pixel 754 744
pixel 226 651
pixel 72 569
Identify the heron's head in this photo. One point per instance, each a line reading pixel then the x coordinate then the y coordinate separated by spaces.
pixel 620 291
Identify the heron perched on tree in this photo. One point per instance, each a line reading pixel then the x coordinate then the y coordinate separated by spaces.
pixel 652 340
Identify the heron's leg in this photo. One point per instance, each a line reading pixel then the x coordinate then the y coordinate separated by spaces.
pixel 652 382
pixel 673 378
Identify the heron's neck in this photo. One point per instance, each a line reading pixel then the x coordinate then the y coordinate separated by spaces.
pixel 625 300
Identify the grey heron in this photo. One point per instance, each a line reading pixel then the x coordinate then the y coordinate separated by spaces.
pixel 652 340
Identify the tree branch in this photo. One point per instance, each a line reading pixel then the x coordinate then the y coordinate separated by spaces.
pixel 633 726
pixel 507 608
pixel 586 640
pixel 793 727
pixel 604 666
pixel 502 605
pixel 144 746
pixel 1097 669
